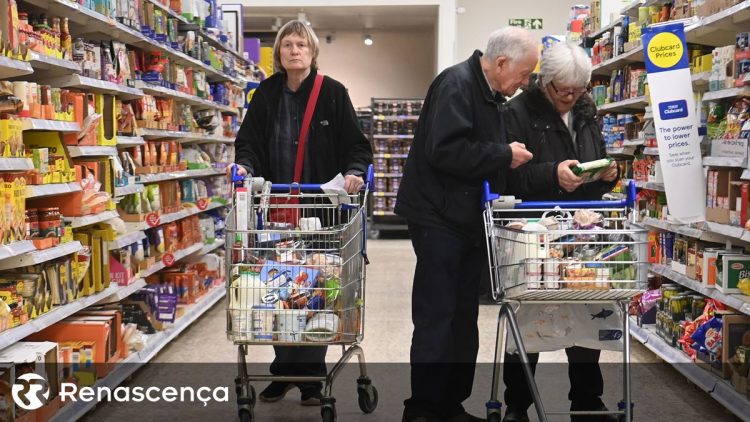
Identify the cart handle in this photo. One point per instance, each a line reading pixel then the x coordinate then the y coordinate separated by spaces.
pixel 629 201
pixel 304 187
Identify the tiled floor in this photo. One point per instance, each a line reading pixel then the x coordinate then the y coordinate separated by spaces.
pixel 659 392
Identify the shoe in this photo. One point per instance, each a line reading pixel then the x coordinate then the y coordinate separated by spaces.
pixel 412 415
pixel 275 391
pixel 592 418
pixel 515 415
pixel 311 397
pixel 465 417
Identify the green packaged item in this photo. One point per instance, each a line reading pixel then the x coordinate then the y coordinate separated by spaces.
pixel 592 170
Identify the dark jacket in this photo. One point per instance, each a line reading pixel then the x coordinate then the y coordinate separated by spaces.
pixel 335 144
pixel 531 118
pixel 459 142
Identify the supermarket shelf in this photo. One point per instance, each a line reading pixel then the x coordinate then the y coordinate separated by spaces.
pixel 638 103
pixel 720 28
pixel 736 301
pixel 718 388
pixel 123 291
pixel 745 174
pixel 388 194
pixel 55 315
pixel 36 191
pixel 198 102
pixel 388 174
pixel 10 68
pixel 390 155
pixel 633 142
pixel 605 68
pixel 208 248
pixel 726 93
pixel 38 257
pixel 168 218
pixel 599 33
pixel 48 66
pixel 659 187
pixel 211 39
pixel 16 248
pixel 651 151
pixel 127 239
pixel 129 141
pixel 52 125
pixel 160 177
pixel 700 80
pixel 15 164
pixel 156 342
pixel 629 151
pixel 184 136
pixel 383 213
pixel 381 136
pixel 97 86
pixel 724 161
pixel 88 220
pixel 394 118
pixel 177 256
pixel 92 151
pixel 128 190
pixel 731 232
pixel 685 230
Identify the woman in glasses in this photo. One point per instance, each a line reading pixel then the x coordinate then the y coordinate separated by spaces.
pixel 556 119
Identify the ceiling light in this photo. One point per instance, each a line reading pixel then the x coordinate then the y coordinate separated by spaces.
pixel 367 40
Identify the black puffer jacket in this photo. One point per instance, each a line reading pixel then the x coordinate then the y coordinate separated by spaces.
pixel 531 118
pixel 335 144
pixel 459 142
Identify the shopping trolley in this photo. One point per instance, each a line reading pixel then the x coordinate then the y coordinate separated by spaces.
pixel 295 262
pixel 562 260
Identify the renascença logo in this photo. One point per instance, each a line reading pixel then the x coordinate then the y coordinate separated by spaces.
pixel 29 400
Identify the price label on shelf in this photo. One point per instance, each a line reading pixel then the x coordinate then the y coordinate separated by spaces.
pixel 745 308
pixel 168 259
pixel 202 204
pixel 153 219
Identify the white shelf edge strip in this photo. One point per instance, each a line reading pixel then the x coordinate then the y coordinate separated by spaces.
pixel 41 256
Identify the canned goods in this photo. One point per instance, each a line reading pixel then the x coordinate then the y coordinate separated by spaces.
pixel 49 222
pixel 380 184
pixel 380 203
pixel 395 183
pixel 391 204
pixel 381 145
pixel 379 165
pixel 698 304
pixel 678 305
pixel 396 165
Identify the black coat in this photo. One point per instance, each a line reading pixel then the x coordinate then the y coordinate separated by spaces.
pixel 531 118
pixel 335 144
pixel 459 142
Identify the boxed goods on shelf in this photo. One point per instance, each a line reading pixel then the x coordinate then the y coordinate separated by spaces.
pixel 40 358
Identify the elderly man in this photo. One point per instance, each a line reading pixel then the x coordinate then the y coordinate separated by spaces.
pixel 556 119
pixel 459 142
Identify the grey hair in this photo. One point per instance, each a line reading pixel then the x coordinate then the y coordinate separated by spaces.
pixel 511 42
pixel 566 64
pixel 295 27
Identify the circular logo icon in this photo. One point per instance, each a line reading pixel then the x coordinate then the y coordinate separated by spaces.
pixel 168 259
pixel 153 219
pixel 665 50
pixel 26 394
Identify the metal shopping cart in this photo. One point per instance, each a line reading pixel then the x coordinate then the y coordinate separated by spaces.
pixel 559 261
pixel 295 262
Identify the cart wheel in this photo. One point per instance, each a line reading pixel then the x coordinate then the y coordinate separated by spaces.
pixel 328 413
pixel 246 415
pixel 494 417
pixel 368 398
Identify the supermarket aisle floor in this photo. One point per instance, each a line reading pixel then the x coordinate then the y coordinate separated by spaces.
pixel 660 393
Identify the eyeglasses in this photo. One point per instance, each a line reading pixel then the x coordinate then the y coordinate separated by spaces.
pixel 568 92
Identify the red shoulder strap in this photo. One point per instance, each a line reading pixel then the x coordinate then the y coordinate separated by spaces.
pixel 309 109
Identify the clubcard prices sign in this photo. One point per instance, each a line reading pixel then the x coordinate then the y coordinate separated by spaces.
pixel 675 121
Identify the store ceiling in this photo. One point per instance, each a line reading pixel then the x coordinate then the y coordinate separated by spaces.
pixel 261 19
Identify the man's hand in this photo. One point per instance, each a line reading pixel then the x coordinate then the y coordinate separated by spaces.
pixel 566 178
pixel 520 154
pixel 352 183
pixel 611 174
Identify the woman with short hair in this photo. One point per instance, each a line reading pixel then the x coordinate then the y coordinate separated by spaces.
pixel 556 119
pixel 267 145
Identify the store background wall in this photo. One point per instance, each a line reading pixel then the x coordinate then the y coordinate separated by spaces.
pixel 484 16
pixel 397 65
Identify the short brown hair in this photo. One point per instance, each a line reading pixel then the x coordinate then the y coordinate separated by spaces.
pixel 295 27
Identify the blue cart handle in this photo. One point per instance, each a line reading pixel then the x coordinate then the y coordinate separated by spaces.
pixel 629 201
pixel 313 187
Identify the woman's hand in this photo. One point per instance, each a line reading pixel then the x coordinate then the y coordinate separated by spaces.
pixel 611 174
pixel 566 178
pixel 352 183
pixel 240 171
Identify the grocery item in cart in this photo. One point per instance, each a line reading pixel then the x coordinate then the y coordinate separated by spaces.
pixel 322 327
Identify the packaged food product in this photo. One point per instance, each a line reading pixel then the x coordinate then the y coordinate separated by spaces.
pixel 592 170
